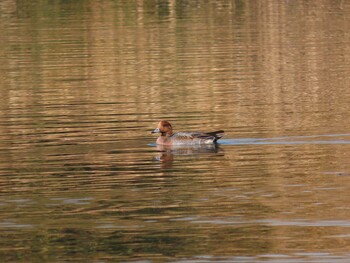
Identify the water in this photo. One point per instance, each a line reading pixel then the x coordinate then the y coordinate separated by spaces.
pixel 82 84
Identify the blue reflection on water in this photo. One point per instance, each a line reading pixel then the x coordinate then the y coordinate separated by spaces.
pixel 308 139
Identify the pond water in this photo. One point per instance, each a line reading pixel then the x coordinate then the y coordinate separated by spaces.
pixel 82 84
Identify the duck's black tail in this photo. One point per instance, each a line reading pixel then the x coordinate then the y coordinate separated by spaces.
pixel 216 134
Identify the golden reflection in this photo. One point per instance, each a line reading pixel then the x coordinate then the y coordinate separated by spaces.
pixel 82 82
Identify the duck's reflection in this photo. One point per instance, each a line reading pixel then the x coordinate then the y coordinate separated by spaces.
pixel 167 154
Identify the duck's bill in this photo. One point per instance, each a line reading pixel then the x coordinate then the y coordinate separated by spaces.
pixel 155 131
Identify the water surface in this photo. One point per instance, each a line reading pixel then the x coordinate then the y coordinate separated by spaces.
pixel 82 84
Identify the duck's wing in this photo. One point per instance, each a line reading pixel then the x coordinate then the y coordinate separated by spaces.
pixel 203 136
pixel 184 135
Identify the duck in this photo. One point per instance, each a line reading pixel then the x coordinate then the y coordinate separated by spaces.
pixel 168 137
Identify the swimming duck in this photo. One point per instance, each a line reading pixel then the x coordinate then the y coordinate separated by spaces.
pixel 168 137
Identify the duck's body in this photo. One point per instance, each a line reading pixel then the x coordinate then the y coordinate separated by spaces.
pixel 167 136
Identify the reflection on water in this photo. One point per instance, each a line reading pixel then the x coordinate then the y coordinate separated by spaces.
pixel 309 139
pixel 83 82
pixel 167 154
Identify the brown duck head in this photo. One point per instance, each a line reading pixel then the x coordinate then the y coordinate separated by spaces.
pixel 164 128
